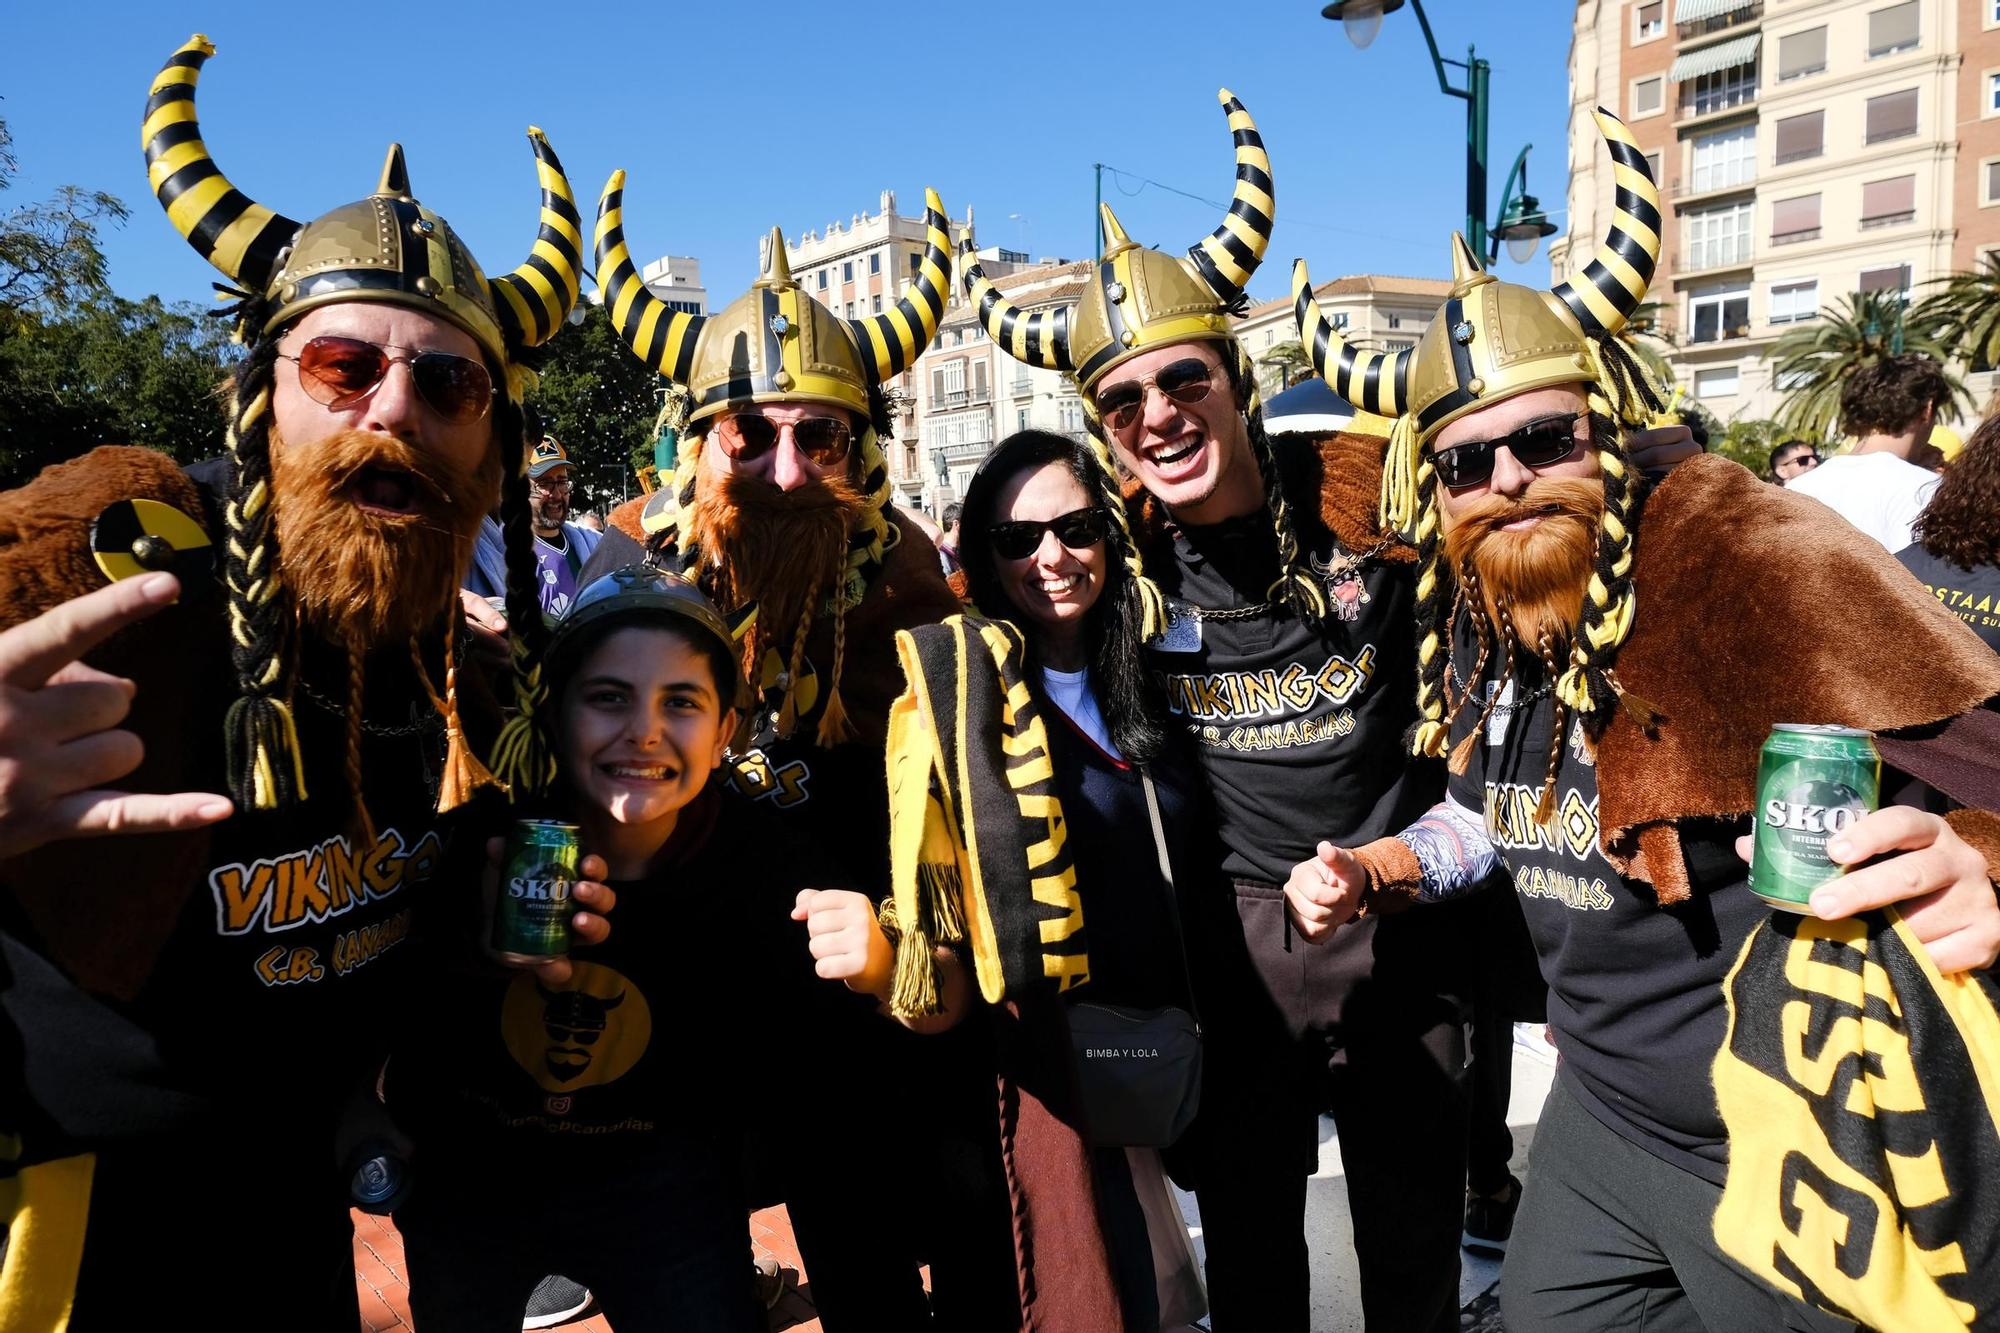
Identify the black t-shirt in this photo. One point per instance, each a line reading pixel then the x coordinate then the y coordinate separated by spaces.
pixel 1635 989
pixel 644 1055
pixel 1973 595
pixel 1299 730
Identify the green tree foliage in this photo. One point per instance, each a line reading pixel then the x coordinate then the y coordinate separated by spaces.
pixel 601 402
pixel 111 371
pixel 1749 443
pixel 1289 360
pixel 1812 362
pixel 1965 313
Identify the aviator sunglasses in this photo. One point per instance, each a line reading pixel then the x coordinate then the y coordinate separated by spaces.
pixel 1079 530
pixel 1537 444
pixel 339 372
pixel 748 436
pixel 1186 382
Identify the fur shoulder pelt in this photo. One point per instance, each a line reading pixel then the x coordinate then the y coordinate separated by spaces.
pixel 103 907
pixel 1756 605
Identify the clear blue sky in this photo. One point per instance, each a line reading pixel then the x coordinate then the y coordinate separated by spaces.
pixel 732 117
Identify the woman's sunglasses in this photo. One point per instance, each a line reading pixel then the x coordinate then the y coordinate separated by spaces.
pixel 340 372
pixel 1079 530
pixel 1537 444
pixel 1186 382
pixel 748 436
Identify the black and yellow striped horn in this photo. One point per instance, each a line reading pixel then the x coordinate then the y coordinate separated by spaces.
pixel 1372 381
pixel 1613 284
pixel 240 237
pixel 1227 256
pixel 896 338
pixel 1040 339
pixel 533 300
pixel 664 339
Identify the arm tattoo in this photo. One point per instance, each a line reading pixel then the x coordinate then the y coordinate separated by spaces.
pixel 1451 845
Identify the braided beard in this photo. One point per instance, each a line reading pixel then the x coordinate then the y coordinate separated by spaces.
pixel 782 550
pixel 1537 576
pixel 362 574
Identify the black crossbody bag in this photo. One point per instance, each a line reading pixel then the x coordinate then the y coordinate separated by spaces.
pixel 1140 1069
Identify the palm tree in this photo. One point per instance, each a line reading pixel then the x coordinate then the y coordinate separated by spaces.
pixel 1811 363
pixel 1965 312
pixel 1289 360
pixel 1643 337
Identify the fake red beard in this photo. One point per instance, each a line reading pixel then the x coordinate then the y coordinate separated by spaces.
pixel 373 534
pixel 779 549
pixel 1538 575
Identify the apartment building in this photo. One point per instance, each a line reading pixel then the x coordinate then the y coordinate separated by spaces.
pixel 676 280
pixel 1805 149
pixel 1378 312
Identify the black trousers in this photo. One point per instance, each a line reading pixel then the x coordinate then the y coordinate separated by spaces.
pixel 1611 1237
pixel 1369 1028
pixel 1507 988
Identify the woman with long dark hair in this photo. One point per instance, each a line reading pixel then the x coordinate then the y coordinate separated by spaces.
pixel 1956 540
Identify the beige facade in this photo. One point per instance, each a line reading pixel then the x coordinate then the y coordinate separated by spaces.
pixel 1380 313
pixel 1805 149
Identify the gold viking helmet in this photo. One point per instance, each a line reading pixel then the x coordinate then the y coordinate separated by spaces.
pixel 387 247
pixel 1492 340
pixel 775 343
pixel 1138 298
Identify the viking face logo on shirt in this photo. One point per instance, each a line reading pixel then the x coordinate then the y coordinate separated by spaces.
pixel 580 1035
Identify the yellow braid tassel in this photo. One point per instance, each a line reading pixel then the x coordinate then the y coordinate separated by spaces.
pixel 1399 477
pixel 1429 740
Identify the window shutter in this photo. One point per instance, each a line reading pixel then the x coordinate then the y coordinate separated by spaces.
pixel 1801 53
pixel 1892 115
pixel 1789 217
pixel 1893 27
pixel 1889 198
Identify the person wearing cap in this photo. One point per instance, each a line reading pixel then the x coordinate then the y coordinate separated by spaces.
pixel 562 548
pixel 1744 1095
pixel 188 1009
pixel 1273 602
pixel 779 508
pixel 621 1093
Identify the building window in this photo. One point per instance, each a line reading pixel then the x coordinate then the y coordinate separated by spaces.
pixel 1339 320
pixel 1895 278
pixel 875 263
pixel 1725 88
pixel 1794 302
pixel 1719 312
pixel 1069 415
pixel 1892 116
pixel 1801 137
pixel 1398 345
pixel 1020 418
pixel 1653 165
pixel 878 304
pixel 1646 96
pixel 1395 320
pixel 916 265
pixel 1719 236
pixel 1726 158
pixel 979 393
pixel 1989 181
pixel 1649 21
pixel 948 381
pixel 1893 29
pixel 1795 220
pixel 822 279
pixel 1992 93
pixel 847 271
pixel 1721 382
pixel 1801 54
pixel 1887 203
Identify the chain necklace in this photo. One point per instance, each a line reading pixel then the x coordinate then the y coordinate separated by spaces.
pixel 1344 567
pixel 430 722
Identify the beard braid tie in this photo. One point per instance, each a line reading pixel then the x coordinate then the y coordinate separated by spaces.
pixel 834 726
pixel 357 678
pixel 463 773
pixel 1545 808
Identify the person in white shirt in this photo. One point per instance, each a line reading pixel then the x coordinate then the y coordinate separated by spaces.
pixel 1890 407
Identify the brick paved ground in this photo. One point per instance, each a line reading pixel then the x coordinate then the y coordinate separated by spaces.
pixel 385 1289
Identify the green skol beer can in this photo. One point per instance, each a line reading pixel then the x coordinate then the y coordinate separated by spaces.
pixel 1812 782
pixel 537 877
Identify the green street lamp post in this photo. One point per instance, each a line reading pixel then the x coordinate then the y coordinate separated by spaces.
pixel 1523 226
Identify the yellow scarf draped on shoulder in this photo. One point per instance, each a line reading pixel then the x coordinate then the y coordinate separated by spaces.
pixel 978 848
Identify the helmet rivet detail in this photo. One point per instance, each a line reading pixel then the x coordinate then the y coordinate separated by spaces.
pixel 290 292
pixel 1461 332
pixel 1128 337
pixel 1475 386
pixel 1116 291
pixel 1582 361
pixel 783 379
pixel 428 285
pixel 780 325
pixel 423 227
pixel 153 552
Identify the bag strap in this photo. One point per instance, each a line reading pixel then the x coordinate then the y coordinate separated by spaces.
pixel 1173 895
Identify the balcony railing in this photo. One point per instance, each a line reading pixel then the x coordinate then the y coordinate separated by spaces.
pixel 1794 237
pixel 1889 219
pixel 1705 99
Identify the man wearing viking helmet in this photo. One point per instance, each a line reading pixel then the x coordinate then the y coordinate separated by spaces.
pixel 1756 1113
pixel 188 1009
pixel 779 507
pixel 1295 684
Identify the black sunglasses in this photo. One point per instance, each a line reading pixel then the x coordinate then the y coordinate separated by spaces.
pixel 1537 444
pixel 1186 382
pixel 340 372
pixel 1079 530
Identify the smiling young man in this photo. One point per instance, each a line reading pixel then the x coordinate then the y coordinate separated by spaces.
pixel 1601 660
pixel 186 1013
pixel 1284 655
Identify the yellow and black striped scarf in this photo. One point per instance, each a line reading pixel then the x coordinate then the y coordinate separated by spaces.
pixel 1861 1091
pixel 979 852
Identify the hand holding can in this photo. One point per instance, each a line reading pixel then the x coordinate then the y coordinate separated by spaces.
pixel 545 898
pixel 1813 782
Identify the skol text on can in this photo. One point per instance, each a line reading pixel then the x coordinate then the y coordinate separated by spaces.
pixel 531 914
pixel 1812 782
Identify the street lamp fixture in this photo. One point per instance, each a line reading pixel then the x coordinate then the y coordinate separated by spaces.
pixel 1522 226
pixel 1361 19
